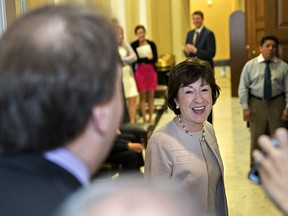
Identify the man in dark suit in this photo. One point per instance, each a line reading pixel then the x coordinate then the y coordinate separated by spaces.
pixel 200 42
pixel 60 105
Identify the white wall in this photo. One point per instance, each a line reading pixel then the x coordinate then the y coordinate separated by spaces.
pixel 3 22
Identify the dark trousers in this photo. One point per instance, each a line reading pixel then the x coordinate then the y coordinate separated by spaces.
pixel 129 160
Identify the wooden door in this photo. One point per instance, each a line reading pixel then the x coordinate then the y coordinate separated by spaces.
pixel 237 48
pixel 255 26
pixel 266 17
pixel 277 24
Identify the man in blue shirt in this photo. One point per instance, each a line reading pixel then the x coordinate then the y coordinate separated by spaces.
pixel 264 115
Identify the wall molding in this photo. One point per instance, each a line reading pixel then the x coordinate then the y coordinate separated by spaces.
pixel 3 20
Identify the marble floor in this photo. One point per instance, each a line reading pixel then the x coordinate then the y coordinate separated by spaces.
pixel 244 198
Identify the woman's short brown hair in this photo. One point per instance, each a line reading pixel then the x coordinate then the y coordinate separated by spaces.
pixel 187 72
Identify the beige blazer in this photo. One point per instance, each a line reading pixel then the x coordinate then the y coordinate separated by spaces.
pixel 170 156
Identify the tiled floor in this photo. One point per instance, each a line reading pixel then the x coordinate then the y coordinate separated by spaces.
pixel 244 198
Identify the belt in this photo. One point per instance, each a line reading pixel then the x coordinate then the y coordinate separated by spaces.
pixel 259 98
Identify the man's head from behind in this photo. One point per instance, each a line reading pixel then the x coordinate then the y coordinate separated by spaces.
pixel 130 196
pixel 56 65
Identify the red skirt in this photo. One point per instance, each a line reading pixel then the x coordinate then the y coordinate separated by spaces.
pixel 146 78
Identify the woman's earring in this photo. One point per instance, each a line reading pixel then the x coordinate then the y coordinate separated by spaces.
pixel 177 105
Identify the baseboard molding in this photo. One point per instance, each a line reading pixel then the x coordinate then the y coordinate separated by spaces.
pixel 222 62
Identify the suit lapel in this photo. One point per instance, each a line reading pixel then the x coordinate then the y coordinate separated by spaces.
pixel 212 143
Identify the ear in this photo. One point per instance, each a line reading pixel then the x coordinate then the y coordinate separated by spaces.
pixel 100 118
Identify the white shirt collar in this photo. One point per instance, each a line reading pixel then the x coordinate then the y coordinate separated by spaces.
pixel 70 162
pixel 199 29
pixel 261 58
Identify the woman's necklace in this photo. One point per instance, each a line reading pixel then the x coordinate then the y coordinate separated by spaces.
pixel 189 133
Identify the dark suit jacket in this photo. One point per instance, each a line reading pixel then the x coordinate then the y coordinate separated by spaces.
pixel 205 44
pixel 32 186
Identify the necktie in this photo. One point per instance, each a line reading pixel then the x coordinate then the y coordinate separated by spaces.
pixel 196 36
pixel 267 82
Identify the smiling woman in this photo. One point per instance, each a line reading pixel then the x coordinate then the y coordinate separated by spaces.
pixel 185 150
pixel 195 104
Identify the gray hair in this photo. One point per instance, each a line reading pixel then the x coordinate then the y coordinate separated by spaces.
pixel 129 196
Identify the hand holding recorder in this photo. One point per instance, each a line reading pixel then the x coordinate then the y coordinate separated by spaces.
pixel 273 167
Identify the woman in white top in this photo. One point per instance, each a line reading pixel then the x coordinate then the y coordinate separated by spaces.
pixel 128 56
